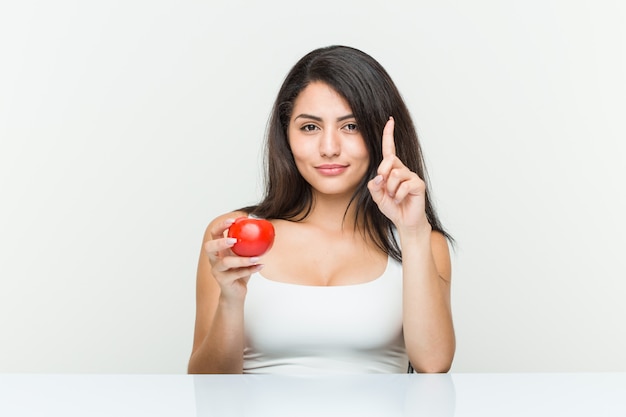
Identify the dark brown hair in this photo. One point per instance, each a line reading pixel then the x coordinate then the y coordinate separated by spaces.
pixel 373 97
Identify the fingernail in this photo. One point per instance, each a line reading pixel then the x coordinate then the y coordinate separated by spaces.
pixel 228 222
pixel 378 179
pixel 231 241
pixel 254 260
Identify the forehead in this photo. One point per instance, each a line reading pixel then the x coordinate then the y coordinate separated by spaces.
pixel 321 97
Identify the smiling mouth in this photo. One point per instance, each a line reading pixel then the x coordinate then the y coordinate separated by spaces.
pixel 331 169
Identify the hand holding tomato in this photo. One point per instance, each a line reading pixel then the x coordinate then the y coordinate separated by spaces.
pixel 247 239
pixel 254 236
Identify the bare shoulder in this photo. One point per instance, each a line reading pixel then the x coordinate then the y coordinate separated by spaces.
pixel 438 240
pixel 441 254
pixel 217 223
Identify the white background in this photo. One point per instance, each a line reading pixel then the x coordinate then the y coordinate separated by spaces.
pixel 126 126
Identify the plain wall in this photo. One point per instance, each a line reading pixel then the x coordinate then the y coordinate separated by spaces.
pixel 126 126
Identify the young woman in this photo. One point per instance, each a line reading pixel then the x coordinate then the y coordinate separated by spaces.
pixel 358 278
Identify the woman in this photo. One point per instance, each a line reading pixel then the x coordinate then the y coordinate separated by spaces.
pixel 358 278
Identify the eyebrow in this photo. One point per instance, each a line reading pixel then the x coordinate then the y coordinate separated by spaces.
pixel 319 119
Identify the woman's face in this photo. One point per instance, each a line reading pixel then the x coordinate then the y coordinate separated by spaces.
pixel 326 143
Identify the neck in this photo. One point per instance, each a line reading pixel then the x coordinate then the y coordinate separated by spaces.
pixel 329 212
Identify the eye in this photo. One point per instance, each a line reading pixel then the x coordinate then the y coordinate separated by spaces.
pixel 309 128
pixel 351 127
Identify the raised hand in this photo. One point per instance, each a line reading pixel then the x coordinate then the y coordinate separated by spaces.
pixel 398 191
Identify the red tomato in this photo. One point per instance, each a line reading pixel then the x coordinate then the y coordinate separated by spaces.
pixel 254 236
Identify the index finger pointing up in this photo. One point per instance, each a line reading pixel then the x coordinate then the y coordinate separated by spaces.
pixel 389 145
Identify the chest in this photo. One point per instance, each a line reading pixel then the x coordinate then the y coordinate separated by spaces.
pixel 319 260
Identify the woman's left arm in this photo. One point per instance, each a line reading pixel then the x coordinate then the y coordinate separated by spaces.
pixel 427 316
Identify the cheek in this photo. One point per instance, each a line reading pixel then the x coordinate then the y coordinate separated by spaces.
pixel 359 150
pixel 299 156
pixel 301 149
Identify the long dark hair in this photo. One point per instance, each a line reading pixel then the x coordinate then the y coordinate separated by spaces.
pixel 373 97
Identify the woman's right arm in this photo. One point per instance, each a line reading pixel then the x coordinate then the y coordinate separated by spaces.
pixel 220 294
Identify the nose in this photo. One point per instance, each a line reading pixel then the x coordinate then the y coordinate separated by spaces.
pixel 330 144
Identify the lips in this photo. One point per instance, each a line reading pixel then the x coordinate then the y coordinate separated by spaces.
pixel 331 169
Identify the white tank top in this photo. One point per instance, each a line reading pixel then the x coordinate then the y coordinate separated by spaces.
pixel 298 329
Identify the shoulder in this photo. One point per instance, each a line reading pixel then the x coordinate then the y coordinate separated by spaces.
pixel 441 254
pixel 437 239
pixel 216 226
pixel 230 215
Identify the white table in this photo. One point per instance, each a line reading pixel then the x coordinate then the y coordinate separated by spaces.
pixel 459 395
